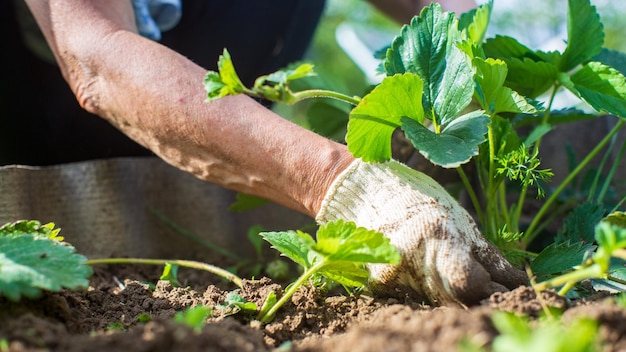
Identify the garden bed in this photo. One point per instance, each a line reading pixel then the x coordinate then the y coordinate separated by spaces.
pixel 120 311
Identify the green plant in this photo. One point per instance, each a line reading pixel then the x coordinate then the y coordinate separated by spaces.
pixel 194 317
pixel 460 97
pixel 339 253
pixel 519 333
pixel 610 235
pixel 34 258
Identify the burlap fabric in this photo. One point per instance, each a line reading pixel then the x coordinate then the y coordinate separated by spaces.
pixel 106 208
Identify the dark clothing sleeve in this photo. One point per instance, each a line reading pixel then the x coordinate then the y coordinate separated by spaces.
pixel 41 122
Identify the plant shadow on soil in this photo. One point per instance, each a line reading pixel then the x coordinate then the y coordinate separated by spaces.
pixel 104 317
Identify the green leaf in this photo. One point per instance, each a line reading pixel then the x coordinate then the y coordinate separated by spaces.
pixel 170 273
pixel 455 145
pixel 491 93
pixel 373 121
pixel 617 218
pixel 344 241
pixel 30 263
pixel 560 257
pixel 238 304
pixel 427 47
pixel 585 34
pixel 580 223
pixel 474 23
pixel 613 58
pixel 529 73
pixel 293 244
pixel 193 317
pixel 32 227
pixel 346 273
pixel 601 86
pixel 224 83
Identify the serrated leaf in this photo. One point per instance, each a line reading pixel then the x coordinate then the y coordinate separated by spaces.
pixel 530 73
pixel 455 145
pixel 474 23
pixel 373 121
pixel 601 86
pixel 491 93
pixel 613 58
pixel 585 34
pixel 580 223
pixel 557 258
pixel 293 244
pixel 224 83
pixel 32 227
pixel 427 47
pixel 344 241
pixel 31 263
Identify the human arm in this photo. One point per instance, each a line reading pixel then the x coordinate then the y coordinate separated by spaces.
pixel 156 97
pixel 403 10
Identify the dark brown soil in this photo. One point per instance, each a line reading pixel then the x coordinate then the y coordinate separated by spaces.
pixel 104 317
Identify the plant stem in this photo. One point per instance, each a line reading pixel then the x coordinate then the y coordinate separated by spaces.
pixel 530 232
pixel 616 162
pixel 590 272
pixel 471 194
pixel 184 263
pixel 322 93
pixel 293 288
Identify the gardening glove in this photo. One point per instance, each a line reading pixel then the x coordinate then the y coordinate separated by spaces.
pixel 445 259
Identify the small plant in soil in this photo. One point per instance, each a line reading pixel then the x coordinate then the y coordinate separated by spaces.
pixel 460 97
pixel 339 252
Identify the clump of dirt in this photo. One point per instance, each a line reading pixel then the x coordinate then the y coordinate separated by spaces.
pixel 108 316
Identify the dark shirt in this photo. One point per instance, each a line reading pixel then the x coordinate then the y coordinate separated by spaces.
pixel 41 122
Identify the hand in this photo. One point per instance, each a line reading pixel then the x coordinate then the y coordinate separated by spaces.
pixel 445 259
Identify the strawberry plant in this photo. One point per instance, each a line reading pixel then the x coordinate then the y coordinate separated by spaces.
pixel 460 97
pixel 339 253
pixel 33 257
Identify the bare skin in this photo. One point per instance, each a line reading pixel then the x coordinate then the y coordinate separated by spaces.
pixel 156 97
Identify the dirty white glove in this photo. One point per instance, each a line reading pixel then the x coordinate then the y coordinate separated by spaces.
pixel 445 259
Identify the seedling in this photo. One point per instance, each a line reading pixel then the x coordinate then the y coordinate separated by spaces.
pixel 340 254
pixel 193 317
pixel 519 333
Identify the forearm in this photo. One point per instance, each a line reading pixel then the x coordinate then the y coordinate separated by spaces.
pixel 403 10
pixel 156 97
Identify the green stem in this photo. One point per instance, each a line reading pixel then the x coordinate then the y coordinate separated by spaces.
pixel 322 93
pixel 616 163
pixel 293 288
pixel 530 232
pixel 590 272
pixel 546 116
pixel 471 194
pixel 184 263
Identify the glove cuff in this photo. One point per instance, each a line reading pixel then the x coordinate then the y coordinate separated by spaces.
pixel 362 189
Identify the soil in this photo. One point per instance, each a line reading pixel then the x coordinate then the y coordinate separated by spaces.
pixel 108 317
